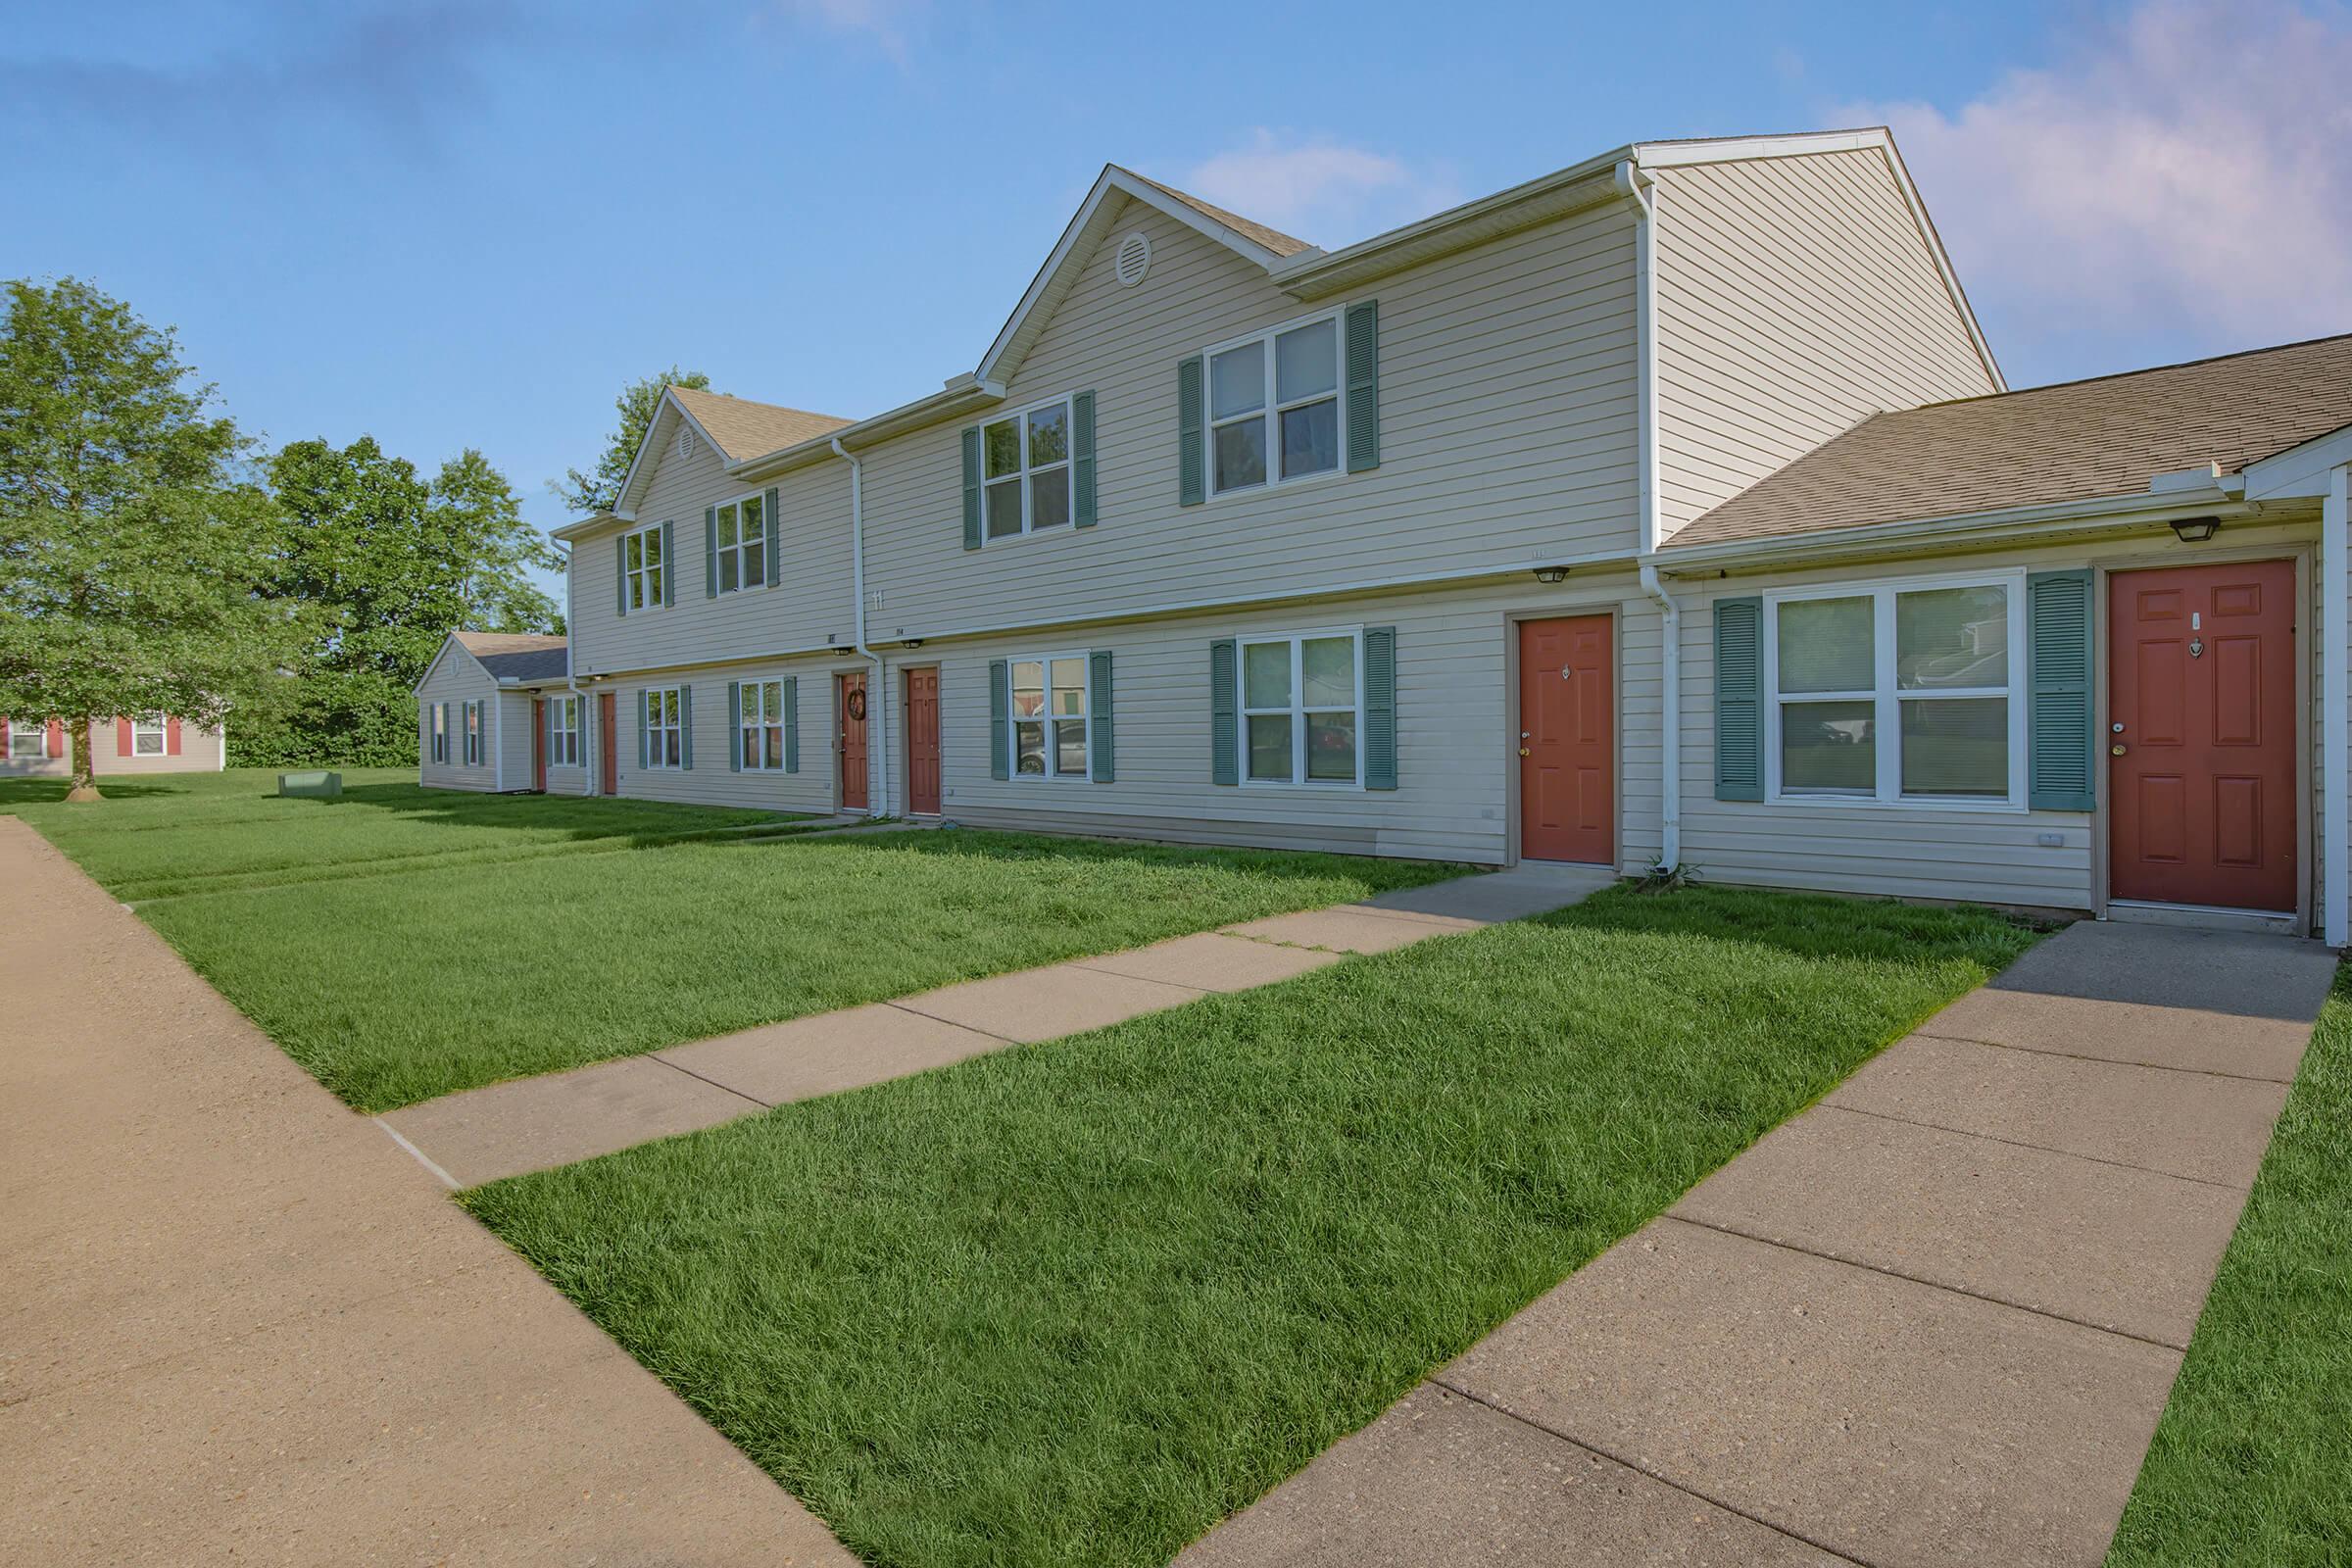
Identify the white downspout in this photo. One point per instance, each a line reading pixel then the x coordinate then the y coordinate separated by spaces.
pixel 877 699
pixel 1634 186
pixel 571 673
pixel 2335 724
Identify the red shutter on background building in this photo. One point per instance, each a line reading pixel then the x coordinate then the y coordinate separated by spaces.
pixel 123 741
pixel 57 737
pixel 170 737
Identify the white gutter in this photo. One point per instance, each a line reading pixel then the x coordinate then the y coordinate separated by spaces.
pixel 1633 186
pixel 571 673
pixel 877 699
pixel 2336 725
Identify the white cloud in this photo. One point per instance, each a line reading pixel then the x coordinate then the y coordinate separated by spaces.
pixel 2185 171
pixel 1317 188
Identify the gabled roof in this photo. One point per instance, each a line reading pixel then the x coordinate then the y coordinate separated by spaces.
pixel 515 656
pixel 737 429
pixel 1273 239
pixel 2110 436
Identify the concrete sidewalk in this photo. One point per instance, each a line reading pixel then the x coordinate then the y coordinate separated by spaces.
pixel 238 1326
pixel 533 1123
pixel 1934 1320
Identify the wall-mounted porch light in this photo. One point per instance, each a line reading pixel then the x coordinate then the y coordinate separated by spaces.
pixel 2194 530
pixel 1551 574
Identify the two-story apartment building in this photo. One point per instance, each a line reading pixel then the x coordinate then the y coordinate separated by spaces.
pixel 1667 509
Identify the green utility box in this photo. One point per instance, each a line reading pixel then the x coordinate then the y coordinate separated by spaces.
pixel 318 786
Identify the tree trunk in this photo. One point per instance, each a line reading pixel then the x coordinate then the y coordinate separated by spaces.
pixel 85 761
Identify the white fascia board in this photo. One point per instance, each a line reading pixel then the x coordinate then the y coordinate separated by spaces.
pixel 962 395
pixel 657 432
pixel 2299 471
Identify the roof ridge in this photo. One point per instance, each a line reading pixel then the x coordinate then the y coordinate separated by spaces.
pixel 1247 227
pixel 756 403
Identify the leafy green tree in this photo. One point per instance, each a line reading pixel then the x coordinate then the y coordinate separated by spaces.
pixel 386 563
pixel 135 543
pixel 596 491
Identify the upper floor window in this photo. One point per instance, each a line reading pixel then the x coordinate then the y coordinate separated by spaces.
pixel 27 739
pixel 1049 716
pixel 1274 407
pixel 761 725
pixel 1300 696
pixel 642 568
pixel 1903 692
pixel 741 543
pixel 664 727
pixel 563 733
pixel 147 735
pixel 1025 470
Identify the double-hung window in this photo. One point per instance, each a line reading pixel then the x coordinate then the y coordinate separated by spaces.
pixel 1900 692
pixel 473 734
pixel 563 733
pixel 1301 699
pixel 642 568
pixel 1049 716
pixel 26 739
pixel 759 727
pixel 1274 407
pixel 147 735
pixel 742 544
pixel 665 728
pixel 440 746
pixel 1025 470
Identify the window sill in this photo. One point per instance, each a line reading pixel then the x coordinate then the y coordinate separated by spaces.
pixel 1306 482
pixel 1907 802
pixel 1057 530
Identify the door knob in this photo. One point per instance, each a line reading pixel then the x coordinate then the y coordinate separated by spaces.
pixel 1524 751
pixel 2116 751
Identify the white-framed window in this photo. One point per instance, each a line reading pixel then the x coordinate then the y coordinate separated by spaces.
pixel 1049 710
pixel 1301 699
pixel 741 543
pixel 1274 407
pixel 440 747
pixel 760 727
pixel 1025 470
pixel 1907 692
pixel 664 727
pixel 642 566
pixel 27 739
pixel 473 734
pixel 147 735
pixel 563 733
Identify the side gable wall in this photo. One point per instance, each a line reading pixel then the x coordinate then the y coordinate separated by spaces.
pixel 1796 296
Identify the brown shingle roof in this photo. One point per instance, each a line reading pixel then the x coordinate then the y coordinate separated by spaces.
pixel 747 430
pixel 1273 239
pixel 526 656
pixel 2077 441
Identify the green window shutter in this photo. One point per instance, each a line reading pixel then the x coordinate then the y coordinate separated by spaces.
pixel 1380 707
pixel 1192 438
pixel 1105 766
pixel 686 727
pixel 1224 717
pixel 1082 458
pixel 620 569
pixel 644 699
pixel 670 566
pixel 774 531
pixel 792 723
pixel 1363 386
pixel 2062 742
pixel 709 552
pixel 999 718
pixel 1740 699
pixel 971 487
pixel 734 726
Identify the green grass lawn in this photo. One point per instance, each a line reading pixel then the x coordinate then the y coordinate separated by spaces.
pixel 1075 1303
pixel 2252 1463
pixel 395 988
pixel 176 833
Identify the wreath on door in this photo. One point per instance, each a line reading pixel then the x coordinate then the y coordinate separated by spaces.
pixel 856 705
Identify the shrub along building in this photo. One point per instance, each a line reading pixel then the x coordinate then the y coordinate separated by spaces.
pixel 1669 509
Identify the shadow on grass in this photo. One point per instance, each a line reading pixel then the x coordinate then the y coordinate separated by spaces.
pixel 16 792
pixel 1810 925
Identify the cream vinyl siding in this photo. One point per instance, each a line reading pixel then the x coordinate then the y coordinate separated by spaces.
pixel 1507 419
pixel 1796 296
pixel 513 738
pixel 456 679
pixel 1455 753
pixel 810 598
pixel 561 781
pixel 1905 851
pixel 710 782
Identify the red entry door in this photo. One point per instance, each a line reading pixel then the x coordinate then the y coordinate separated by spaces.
pixel 849 706
pixel 2201 771
pixel 539 744
pixel 1567 740
pixel 922 741
pixel 610 729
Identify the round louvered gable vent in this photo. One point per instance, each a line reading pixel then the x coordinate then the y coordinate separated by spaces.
pixel 685 442
pixel 1134 259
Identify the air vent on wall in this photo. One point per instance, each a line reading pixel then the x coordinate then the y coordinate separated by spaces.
pixel 685 442
pixel 1134 259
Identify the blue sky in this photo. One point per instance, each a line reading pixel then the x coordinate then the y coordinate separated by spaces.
pixel 454 225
